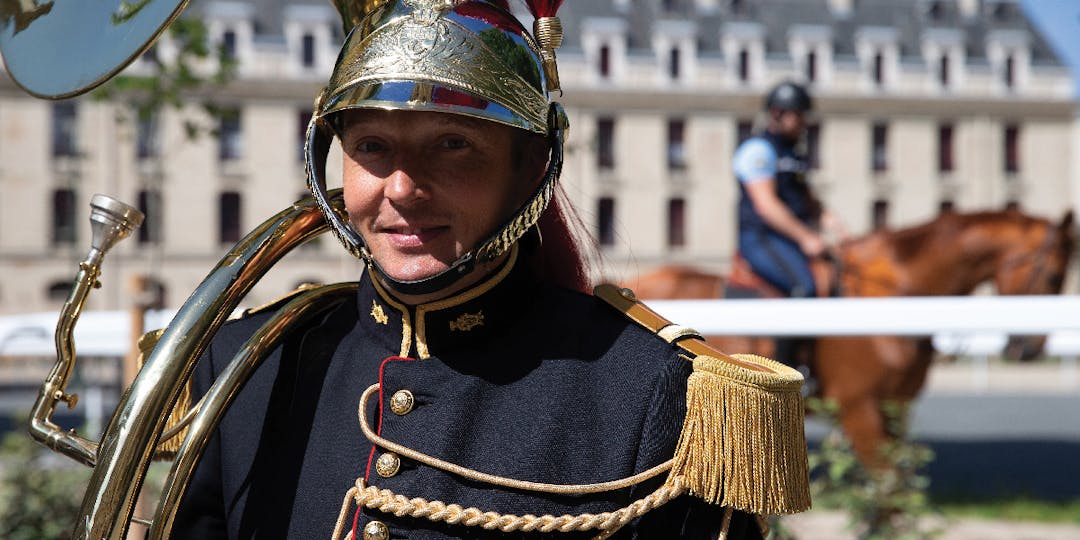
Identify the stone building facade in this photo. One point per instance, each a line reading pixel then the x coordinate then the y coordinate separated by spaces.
pixel 921 105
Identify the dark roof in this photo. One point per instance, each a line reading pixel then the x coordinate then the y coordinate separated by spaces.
pixel 909 19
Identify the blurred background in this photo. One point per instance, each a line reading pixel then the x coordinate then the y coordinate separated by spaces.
pixel 922 106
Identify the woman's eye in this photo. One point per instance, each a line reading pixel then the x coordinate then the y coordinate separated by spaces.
pixel 454 143
pixel 368 146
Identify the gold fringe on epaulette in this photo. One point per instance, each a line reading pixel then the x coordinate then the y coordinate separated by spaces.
pixel 169 443
pixel 743 443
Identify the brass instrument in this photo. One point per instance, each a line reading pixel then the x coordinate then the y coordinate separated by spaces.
pixel 121 458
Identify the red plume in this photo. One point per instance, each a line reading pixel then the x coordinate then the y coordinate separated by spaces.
pixel 544 8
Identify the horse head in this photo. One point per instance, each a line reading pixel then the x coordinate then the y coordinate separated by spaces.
pixel 1036 265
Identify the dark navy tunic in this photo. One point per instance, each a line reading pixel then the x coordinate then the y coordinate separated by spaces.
pixel 513 377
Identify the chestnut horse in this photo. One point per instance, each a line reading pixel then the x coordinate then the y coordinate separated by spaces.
pixel 950 255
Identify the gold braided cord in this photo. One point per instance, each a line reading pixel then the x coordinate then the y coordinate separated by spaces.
pixel 501 481
pixel 607 523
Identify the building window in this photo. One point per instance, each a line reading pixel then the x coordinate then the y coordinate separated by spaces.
pixel 676 144
pixel 673 63
pixel 230 136
pixel 307 50
pixel 605 143
pixel 229 217
pixel 605 61
pixel 58 291
pixel 156 294
pixel 302 121
pixel 676 222
pixel 228 44
pixel 744 65
pixel 146 137
pixel 813 145
pixel 879 148
pixel 878 69
pixel 1009 72
pixel 811 66
pixel 1012 149
pixel 744 129
pixel 605 221
pixel 880 215
pixel 151 55
pixel 64 129
pixel 943 71
pixel 945 150
pixel 63 216
pixel 149 201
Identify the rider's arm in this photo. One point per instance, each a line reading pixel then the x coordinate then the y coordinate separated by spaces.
pixel 755 168
pixel 762 193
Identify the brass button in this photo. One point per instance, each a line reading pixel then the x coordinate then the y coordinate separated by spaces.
pixel 388 465
pixel 376 530
pixel 401 402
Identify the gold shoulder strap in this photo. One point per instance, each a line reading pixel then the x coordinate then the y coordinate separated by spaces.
pixel 743 442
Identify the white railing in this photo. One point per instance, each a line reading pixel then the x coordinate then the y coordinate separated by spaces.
pixel 977 327
pixel 978 321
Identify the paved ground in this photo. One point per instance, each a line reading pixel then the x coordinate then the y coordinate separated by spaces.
pixel 821 525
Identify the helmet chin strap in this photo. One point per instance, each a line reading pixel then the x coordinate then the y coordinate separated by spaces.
pixel 319 138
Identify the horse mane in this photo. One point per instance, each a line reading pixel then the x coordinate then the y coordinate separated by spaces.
pixel 910 242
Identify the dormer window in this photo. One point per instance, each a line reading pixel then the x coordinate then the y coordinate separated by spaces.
pixel 879 52
pixel 1009 52
pixel 743 45
pixel 943 51
pixel 743 63
pixel 308 31
pixel 674 42
pixel 810 46
pixel 603 40
pixel 307 51
pixel 1008 71
pixel 878 69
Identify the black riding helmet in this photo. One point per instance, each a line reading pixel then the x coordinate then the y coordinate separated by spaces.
pixel 789 96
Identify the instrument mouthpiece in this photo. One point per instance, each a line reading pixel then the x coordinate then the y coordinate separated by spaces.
pixel 111 221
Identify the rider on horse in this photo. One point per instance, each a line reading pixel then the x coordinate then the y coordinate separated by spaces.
pixel 778 212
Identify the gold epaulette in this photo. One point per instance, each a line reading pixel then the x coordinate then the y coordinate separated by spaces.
pixel 173 432
pixel 743 442
pixel 273 305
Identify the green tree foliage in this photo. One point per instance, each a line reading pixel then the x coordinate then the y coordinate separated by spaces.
pixel 179 81
pixel 40 492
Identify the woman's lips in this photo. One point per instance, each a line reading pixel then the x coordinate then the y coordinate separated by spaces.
pixel 412 237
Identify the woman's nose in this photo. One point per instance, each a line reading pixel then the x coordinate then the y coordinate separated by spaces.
pixel 402 187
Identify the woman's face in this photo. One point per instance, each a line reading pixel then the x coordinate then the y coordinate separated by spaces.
pixel 423 188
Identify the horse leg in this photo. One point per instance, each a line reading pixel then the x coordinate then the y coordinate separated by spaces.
pixel 864 426
pixel 850 373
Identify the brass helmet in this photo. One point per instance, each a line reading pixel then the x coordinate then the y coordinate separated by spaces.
pixel 467 57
